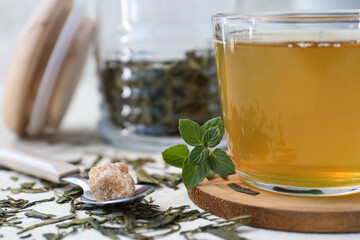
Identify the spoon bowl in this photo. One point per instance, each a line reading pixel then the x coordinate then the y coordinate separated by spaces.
pixel 141 190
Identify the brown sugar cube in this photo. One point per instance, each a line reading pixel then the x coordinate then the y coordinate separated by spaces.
pixel 111 181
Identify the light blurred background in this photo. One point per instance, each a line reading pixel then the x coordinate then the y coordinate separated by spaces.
pixel 14 14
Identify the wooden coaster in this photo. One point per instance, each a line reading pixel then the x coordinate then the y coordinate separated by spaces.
pixel 278 211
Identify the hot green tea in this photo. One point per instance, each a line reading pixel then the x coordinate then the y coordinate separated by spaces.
pixel 292 111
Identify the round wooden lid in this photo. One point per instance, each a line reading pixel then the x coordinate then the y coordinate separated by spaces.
pixel 278 211
pixel 46 66
pixel 30 60
pixel 70 72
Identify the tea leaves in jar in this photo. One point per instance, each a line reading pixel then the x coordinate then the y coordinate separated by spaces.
pixel 150 96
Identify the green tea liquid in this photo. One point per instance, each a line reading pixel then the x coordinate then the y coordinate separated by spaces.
pixel 292 111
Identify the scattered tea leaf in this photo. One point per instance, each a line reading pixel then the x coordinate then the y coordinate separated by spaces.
pixel 58 236
pixel 190 215
pixel 14 178
pixel 55 220
pixel 25 236
pixel 241 189
pixel 128 233
pixel 75 161
pixel 162 220
pixel 104 231
pixel 134 220
pixel 75 222
pixel 229 232
pixel 169 180
pixel 81 206
pixel 13 203
pixel 31 190
pixel 311 191
pixel 53 236
pixel 144 177
pixel 28 185
pixel 225 229
pixel 7 218
pixel 25 188
pixel 30 204
pixel 6 214
pixel 138 162
pixel 35 214
pixel 51 185
pixel 69 195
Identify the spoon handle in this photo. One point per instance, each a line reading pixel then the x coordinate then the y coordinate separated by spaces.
pixel 35 165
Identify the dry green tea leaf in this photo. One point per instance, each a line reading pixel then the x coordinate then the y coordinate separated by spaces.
pixel 53 236
pixel 144 177
pixel 77 222
pixel 238 188
pixel 28 185
pixel 13 203
pixel 169 180
pixel 25 236
pixel 228 232
pixel 225 229
pixel 14 178
pixel 51 185
pixel 25 188
pixel 35 214
pixel 75 161
pixel 69 195
pixel 104 231
pixel 30 204
pixel 52 221
pixel 311 191
pixel 58 236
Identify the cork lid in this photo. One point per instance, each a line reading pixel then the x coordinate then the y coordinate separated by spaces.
pixel 46 66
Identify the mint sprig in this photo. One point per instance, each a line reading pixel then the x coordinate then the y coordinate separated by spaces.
pixel 201 160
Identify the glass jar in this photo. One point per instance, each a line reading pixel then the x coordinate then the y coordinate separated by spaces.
pixel 156 65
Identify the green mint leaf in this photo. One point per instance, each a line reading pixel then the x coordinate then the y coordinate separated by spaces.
pixel 221 163
pixel 175 155
pixel 210 173
pixel 198 155
pixel 212 137
pixel 215 122
pixel 192 175
pixel 191 132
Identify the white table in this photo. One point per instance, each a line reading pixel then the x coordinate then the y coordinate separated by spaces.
pixel 80 124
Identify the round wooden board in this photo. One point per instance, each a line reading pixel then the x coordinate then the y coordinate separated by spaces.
pixel 278 211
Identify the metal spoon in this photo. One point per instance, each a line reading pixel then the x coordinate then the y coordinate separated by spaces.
pixel 58 171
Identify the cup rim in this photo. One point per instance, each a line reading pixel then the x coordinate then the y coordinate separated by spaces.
pixel 335 15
